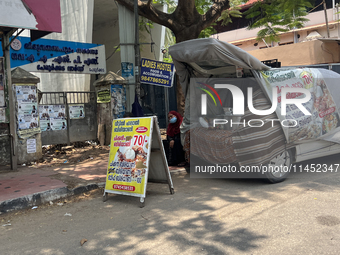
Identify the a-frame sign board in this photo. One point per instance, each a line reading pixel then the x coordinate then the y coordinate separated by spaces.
pixel 136 157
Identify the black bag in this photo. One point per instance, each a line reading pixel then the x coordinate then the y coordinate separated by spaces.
pixel 137 109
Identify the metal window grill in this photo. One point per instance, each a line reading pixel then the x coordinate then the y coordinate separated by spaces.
pixel 49 98
pixel 79 97
pixel 56 98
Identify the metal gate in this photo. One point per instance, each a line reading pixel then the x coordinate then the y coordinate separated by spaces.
pixel 82 129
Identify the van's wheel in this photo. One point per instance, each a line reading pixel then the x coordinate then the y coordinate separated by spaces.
pixel 278 167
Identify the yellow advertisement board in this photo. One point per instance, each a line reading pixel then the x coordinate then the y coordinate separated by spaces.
pixel 127 171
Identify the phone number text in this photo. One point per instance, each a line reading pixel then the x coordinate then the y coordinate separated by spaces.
pixel 155 80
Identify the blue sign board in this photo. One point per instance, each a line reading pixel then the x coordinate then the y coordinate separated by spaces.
pixel 45 55
pixel 157 73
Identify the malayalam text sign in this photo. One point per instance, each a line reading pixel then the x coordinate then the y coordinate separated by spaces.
pixel 54 56
pixel 127 171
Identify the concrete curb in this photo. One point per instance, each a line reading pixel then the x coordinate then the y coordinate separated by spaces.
pixel 44 197
pixel 51 195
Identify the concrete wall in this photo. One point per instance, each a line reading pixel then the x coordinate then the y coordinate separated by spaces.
pixel 23 156
pixel 305 53
pixel 104 118
pixel 5 150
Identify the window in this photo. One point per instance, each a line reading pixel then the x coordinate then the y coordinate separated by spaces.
pixel 286 43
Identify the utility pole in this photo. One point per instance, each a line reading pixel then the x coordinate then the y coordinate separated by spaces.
pixel 11 106
pixel 137 53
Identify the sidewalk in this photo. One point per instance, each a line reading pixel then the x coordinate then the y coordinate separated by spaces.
pixel 32 186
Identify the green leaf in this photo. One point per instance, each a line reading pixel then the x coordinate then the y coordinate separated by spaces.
pixel 270 16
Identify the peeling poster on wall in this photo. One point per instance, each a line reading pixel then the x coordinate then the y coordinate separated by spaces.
pixel 27 110
pixel 52 117
pixel 103 96
pixel 76 111
pixel 44 116
pixel 31 145
pixel 118 100
pixel 58 124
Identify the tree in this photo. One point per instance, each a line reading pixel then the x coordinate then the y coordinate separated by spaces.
pixel 277 16
pixel 185 22
pixel 190 17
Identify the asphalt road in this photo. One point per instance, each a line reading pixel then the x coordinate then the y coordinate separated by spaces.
pixel 204 216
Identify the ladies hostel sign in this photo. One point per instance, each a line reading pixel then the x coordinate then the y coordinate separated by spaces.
pixel 53 56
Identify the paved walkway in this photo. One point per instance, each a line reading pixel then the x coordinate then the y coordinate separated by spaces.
pixel 30 186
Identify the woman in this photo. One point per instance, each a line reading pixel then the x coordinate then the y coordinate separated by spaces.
pixel 176 153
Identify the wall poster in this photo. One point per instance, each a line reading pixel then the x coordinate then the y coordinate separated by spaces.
pixel 118 100
pixel 27 110
pixel 58 117
pixel 76 111
pixel 52 117
pixel 103 96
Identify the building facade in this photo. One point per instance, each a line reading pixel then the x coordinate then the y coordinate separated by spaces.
pixel 306 46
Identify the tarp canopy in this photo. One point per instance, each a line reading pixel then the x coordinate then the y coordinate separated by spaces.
pixel 208 53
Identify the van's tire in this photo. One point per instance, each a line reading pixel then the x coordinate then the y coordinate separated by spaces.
pixel 284 159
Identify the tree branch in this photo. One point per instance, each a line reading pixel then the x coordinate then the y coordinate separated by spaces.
pixel 214 12
pixel 148 11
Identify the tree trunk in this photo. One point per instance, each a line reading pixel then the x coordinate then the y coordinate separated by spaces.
pixel 181 36
pixel 180 97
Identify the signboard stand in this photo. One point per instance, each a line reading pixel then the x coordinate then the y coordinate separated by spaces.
pixel 136 157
